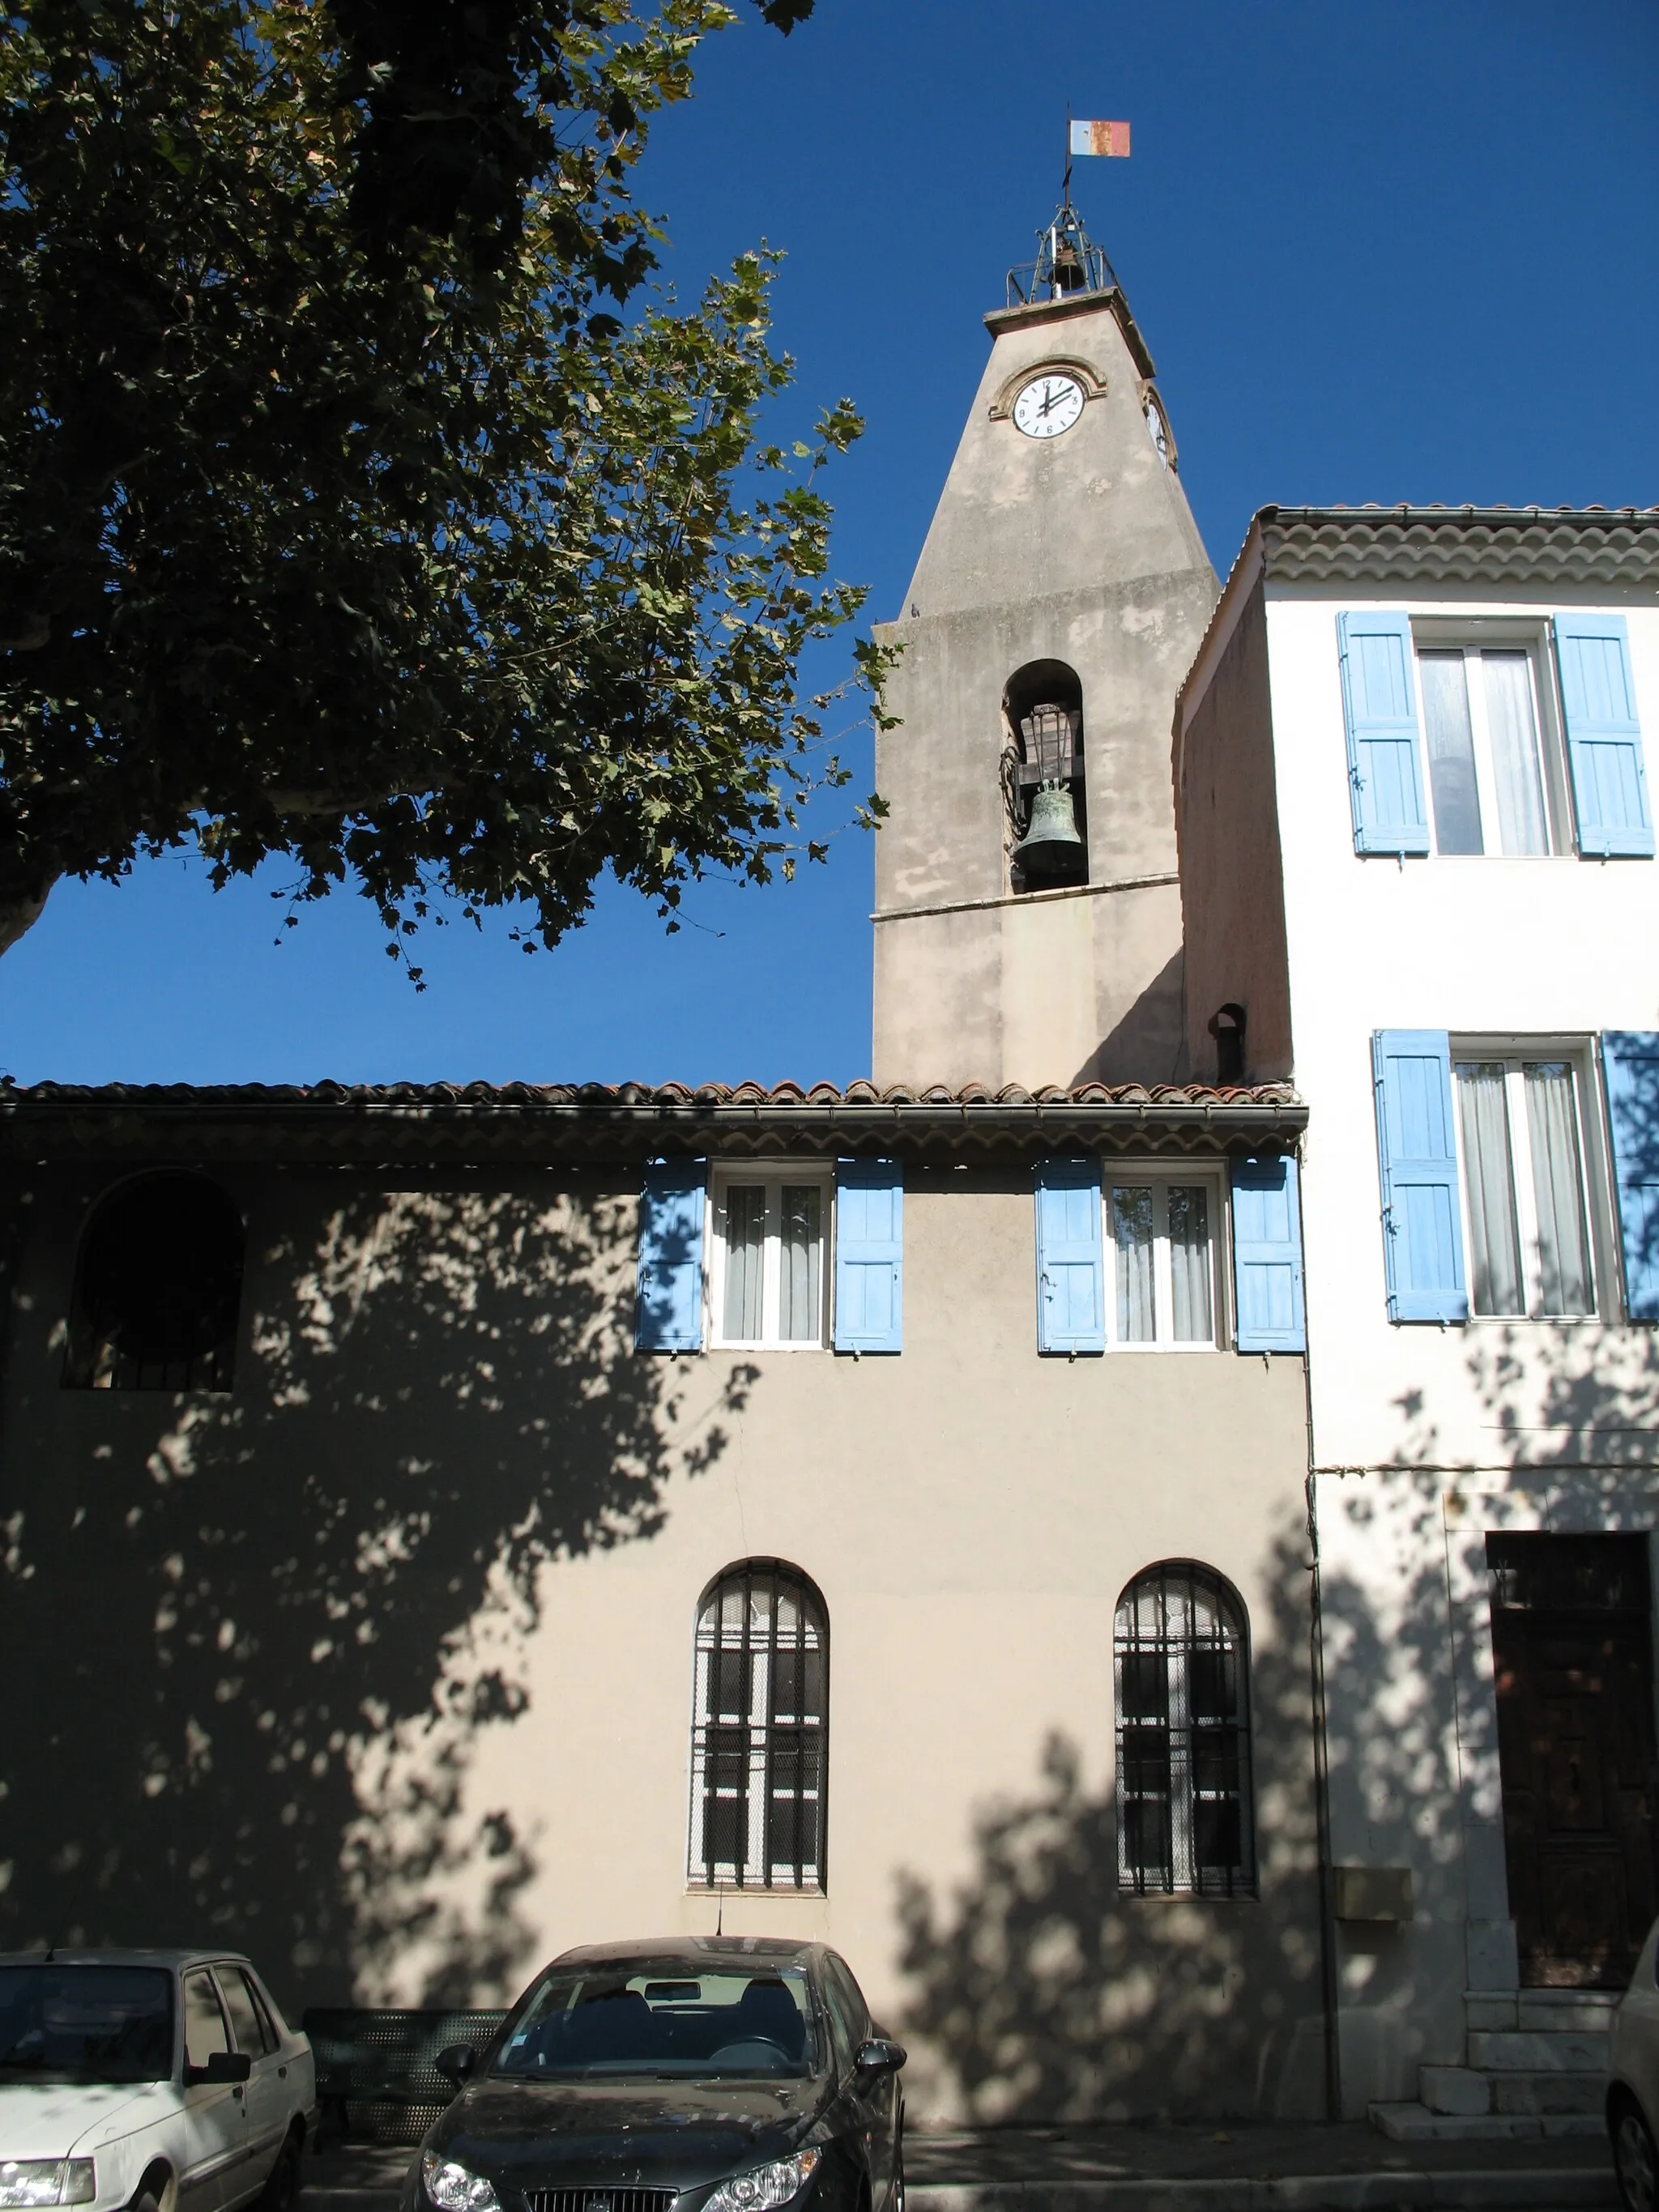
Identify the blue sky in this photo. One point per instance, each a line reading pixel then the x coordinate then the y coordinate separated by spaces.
pixel 1379 253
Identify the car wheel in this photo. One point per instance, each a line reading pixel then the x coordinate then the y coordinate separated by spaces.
pixel 281 2189
pixel 1635 2160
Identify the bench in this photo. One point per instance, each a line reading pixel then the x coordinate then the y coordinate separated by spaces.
pixel 376 2075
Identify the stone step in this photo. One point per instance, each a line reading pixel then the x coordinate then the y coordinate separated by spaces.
pixel 1417 2123
pixel 1455 2091
pixel 1578 2011
pixel 1541 2011
pixel 1539 2094
pixel 1523 2050
pixel 1459 2092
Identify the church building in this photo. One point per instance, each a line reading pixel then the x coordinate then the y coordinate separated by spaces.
pixel 444 1525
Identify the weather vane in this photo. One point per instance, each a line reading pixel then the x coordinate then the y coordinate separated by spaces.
pixel 1108 138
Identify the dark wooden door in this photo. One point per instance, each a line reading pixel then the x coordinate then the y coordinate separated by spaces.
pixel 1572 1651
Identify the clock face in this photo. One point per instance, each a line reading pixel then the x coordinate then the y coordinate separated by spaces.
pixel 1047 405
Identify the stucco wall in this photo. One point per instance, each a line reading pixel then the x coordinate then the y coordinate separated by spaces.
pixel 1081 549
pixel 381 1663
pixel 1551 946
pixel 1232 885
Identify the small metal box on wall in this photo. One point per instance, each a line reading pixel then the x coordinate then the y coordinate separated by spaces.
pixel 1372 1894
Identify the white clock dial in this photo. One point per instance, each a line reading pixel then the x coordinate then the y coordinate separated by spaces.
pixel 1047 405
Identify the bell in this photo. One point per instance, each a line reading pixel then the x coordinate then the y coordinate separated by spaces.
pixel 1051 851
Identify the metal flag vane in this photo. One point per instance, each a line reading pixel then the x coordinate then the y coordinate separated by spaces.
pixel 1068 260
pixel 1110 139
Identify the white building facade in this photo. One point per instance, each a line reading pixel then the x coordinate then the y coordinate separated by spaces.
pixel 1419 881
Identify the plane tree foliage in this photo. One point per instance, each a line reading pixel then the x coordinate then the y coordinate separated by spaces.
pixel 362 500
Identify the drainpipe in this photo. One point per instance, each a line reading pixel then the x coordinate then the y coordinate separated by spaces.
pixel 1322 1796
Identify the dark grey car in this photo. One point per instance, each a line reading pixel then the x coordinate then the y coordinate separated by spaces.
pixel 697 2075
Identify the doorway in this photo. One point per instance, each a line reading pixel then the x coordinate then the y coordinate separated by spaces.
pixel 1572 1655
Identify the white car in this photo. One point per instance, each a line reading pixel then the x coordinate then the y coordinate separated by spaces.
pixel 149 2081
pixel 1633 2082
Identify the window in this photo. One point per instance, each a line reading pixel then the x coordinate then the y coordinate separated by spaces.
pixel 1180 1660
pixel 1161 1261
pixel 204 2024
pixel 244 2013
pixel 768 1278
pixel 760 1696
pixel 1481 724
pixel 158 1286
pixel 1525 1195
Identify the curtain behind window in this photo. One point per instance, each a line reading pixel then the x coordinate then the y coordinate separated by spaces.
pixel 1189 1264
pixel 745 1248
pixel 1484 1118
pixel 1557 1188
pixel 1515 753
pixel 1451 753
pixel 797 1292
pixel 1132 1234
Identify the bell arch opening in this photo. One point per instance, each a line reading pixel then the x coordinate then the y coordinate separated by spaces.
pixel 1042 777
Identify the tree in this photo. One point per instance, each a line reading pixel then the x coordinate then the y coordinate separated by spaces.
pixel 341 517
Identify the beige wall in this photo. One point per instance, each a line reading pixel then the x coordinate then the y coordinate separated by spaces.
pixel 1232 880
pixel 381 1664
pixel 1080 549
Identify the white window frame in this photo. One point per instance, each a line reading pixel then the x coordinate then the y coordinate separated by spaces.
pixel 1159 1175
pixel 1594 1192
pixel 774 1174
pixel 1472 635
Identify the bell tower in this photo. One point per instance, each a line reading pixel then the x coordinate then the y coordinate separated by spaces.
pixel 1028 914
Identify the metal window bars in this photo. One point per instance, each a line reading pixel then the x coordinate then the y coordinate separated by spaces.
pixel 758 1744
pixel 1180 1662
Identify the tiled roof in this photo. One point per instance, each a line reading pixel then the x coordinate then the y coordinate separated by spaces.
pixel 779 1095
pixel 369 1123
pixel 1541 546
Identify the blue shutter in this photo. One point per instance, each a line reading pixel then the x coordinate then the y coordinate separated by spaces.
pixel 1604 740
pixel 869 1255
pixel 670 1310
pixel 1631 1061
pixel 1417 1156
pixel 1379 704
pixel 1267 1256
pixel 1070 1275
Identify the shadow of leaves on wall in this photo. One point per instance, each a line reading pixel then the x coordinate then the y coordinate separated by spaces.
pixel 1049 1994
pixel 255 1642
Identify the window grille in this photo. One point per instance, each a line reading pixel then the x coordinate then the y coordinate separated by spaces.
pixel 158 1288
pixel 1181 1656
pixel 758 1748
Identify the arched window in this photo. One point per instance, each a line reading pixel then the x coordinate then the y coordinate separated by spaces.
pixel 760 1702
pixel 158 1288
pixel 1042 777
pixel 1181 1663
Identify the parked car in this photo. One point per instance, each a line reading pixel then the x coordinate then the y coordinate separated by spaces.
pixel 123 2073
pixel 731 2075
pixel 1633 2082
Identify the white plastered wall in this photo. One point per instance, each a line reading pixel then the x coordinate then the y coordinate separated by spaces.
pixel 1428 1438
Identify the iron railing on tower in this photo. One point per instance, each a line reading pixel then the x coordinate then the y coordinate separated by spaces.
pixel 1068 261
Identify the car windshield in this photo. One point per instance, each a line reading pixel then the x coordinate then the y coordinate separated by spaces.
pixel 661 2016
pixel 86 2023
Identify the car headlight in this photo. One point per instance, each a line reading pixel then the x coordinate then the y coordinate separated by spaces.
pixel 452 2188
pixel 764 2187
pixel 25 2181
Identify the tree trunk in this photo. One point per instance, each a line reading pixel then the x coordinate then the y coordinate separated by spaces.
pixel 18 915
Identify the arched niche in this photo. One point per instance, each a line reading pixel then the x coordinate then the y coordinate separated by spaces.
pixel 1043 757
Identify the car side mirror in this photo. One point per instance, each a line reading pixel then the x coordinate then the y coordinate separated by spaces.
pixel 456 2062
pixel 879 2055
pixel 222 2068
